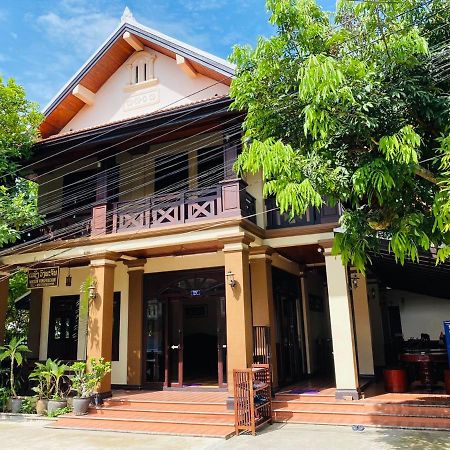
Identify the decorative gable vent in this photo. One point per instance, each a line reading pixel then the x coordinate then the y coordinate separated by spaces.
pixel 141 71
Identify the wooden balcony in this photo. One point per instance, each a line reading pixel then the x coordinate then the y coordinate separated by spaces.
pixel 313 216
pixel 228 199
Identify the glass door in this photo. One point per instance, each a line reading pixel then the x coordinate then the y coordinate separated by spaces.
pixel 221 343
pixel 154 339
pixel 174 339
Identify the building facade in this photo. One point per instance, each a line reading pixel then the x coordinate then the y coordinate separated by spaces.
pixel 191 273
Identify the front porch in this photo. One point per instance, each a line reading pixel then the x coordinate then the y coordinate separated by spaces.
pixel 199 413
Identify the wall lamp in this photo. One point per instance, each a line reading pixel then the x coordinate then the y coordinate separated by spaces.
pixel 92 290
pixel 230 279
pixel 354 280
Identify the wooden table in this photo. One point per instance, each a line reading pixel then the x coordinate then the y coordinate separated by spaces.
pixel 425 360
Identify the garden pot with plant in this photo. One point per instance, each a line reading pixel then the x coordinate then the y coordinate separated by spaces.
pixel 43 389
pixel 99 368
pixel 83 383
pixel 57 400
pixel 15 351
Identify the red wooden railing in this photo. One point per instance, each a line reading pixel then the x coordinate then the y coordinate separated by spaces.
pixel 228 199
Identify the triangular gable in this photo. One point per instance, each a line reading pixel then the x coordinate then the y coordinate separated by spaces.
pixel 128 37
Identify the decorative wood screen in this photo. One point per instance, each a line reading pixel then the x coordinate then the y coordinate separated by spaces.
pixel 261 345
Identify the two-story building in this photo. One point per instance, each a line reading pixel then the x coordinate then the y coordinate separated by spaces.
pixel 190 271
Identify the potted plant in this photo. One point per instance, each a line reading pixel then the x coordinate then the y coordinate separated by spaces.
pixel 15 351
pixel 83 383
pixel 57 372
pixel 42 375
pixel 99 368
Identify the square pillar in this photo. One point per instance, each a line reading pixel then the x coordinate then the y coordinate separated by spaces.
pixel 100 319
pixel 263 309
pixel 135 320
pixel 363 329
pixel 238 307
pixel 4 290
pixel 34 323
pixel 341 319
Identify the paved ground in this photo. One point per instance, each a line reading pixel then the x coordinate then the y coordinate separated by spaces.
pixel 30 436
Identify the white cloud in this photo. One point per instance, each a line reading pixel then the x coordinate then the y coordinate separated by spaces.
pixel 82 32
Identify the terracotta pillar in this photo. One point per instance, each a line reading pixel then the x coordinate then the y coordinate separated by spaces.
pixel 263 309
pixel 99 337
pixel 238 307
pixel 34 323
pixel 4 289
pixel 341 319
pixel 135 320
pixel 363 329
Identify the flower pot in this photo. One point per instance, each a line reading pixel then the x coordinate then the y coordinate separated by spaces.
pixel 447 381
pixel 16 405
pixel 42 406
pixel 81 405
pixel 53 405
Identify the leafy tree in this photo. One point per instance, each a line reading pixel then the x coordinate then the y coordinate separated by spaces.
pixel 354 107
pixel 19 121
pixel 16 319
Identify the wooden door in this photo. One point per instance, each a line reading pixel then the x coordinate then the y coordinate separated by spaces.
pixel 221 343
pixel 174 343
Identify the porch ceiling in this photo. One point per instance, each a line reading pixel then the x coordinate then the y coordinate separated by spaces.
pixel 304 254
pixel 424 278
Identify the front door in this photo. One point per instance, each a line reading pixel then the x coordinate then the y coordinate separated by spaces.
pixel 63 327
pixel 185 329
pixel 174 339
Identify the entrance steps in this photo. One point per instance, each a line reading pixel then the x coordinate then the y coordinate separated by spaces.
pixel 173 413
pixel 423 412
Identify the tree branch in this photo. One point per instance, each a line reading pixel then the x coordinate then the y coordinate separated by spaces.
pixel 426 174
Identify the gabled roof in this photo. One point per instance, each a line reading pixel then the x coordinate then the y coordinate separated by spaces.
pixel 112 54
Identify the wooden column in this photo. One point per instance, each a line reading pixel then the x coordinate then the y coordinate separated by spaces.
pixel 4 289
pixel 135 321
pixel 99 338
pixel 34 323
pixel 363 329
pixel 309 345
pixel 230 152
pixel 263 308
pixel 341 319
pixel 238 307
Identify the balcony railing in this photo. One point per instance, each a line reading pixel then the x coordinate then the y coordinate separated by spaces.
pixel 228 199
pixel 313 216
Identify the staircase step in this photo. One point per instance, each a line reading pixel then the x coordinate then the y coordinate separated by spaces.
pixel 380 420
pixel 175 429
pixel 305 397
pixel 158 416
pixel 165 405
pixel 362 408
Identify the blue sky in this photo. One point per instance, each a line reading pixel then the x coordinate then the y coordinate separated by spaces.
pixel 43 42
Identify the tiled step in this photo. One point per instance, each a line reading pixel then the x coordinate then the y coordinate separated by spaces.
pixel 362 408
pixel 327 418
pixel 161 416
pixel 132 426
pixel 306 397
pixel 165 405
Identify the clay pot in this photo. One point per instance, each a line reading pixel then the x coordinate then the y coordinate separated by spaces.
pixel 53 405
pixel 81 405
pixel 16 405
pixel 42 406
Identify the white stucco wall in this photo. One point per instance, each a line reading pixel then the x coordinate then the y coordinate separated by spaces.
pixel 420 313
pixel 113 102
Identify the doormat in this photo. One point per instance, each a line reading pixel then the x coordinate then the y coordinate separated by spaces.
pixel 303 391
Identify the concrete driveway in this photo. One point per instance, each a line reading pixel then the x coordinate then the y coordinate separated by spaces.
pixel 33 435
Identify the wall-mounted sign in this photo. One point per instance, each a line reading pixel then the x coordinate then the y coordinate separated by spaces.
pixel 43 277
pixel 196 293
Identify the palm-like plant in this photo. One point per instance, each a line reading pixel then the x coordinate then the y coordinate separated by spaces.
pixel 15 350
pixel 42 374
pixel 57 371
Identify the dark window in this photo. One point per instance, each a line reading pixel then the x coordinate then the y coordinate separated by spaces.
pixel 116 327
pixel 79 189
pixel 171 173
pixel 210 165
pixel 63 327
